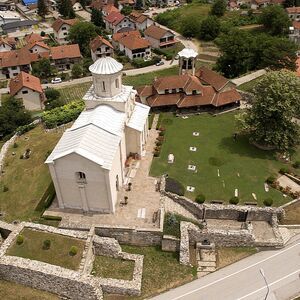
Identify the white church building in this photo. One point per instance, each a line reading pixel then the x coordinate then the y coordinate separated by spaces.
pixel 87 165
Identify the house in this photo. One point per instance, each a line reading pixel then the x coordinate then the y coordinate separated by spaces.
pixel 7 44
pixel 100 47
pixel 294 13
pixel 61 29
pixel 108 8
pixel 200 89
pixel 159 37
pixel 100 4
pixel 257 4
pixel 115 21
pixel 18 26
pixel 28 88
pixel 134 46
pixel 124 3
pixel 141 21
pixel 9 17
pixel 88 164
pixel 37 47
pixel 34 37
pixel 119 35
pixel 65 56
pixel 76 5
pixel 294 34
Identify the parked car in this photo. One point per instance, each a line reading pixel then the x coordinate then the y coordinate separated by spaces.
pixel 56 80
pixel 160 63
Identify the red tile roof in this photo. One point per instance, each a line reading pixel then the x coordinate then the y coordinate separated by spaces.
pixel 293 10
pixel 226 97
pixel 156 32
pixel 114 17
pixel 98 41
pixel 65 51
pixel 33 37
pixel 133 42
pixel 25 80
pixel 145 91
pixel 205 98
pixel 13 58
pixel 60 22
pixel 164 100
pixel 109 8
pixel 119 35
pixel 36 43
pixel 212 78
pixel 137 17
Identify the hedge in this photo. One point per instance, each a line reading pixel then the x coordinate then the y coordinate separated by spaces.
pixel 167 54
pixel 46 199
pixel 23 129
pixel 63 114
pixel 141 63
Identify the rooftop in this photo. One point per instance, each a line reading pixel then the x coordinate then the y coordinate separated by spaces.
pixel 105 66
pixel 65 51
pixel 188 53
pixel 98 41
pixel 59 22
pixel 156 31
pixel 134 42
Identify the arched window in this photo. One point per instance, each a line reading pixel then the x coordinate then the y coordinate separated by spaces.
pixel 80 176
pixel 103 86
pixel 117 83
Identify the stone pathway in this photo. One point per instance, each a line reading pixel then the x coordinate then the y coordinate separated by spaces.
pixel 206 261
pixel 285 182
pixel 249 77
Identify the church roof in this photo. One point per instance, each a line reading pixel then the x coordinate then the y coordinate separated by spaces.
pixel 95 135
pixel 105 65
pixel 188 53
pixel 139 116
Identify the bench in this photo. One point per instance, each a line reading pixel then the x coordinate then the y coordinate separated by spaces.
pixel 216 202
pixel 251 203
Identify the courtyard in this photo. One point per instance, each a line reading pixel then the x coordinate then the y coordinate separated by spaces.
pixel 224 167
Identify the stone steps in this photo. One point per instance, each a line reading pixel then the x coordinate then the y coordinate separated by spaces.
pixel 206 269
pixel 206 263
pixel 285 233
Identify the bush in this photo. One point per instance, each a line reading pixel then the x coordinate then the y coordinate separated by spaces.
pixel 158 143
pixel 160 138
pixel 174 186
pixel 141 63
pixel 156 153
pixel 23 129
pixel 20 239
pixel 296 164
pixel 15 145
pixel 284 170
pixel 46 244
pixel 268 202
pixel 270 180
pixel 234 200
pixel 52 94
pixel 73 251
pixel 171 219
pixel 200 198
pixel 5 189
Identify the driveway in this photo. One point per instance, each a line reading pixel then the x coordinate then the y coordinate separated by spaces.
pixel 244 279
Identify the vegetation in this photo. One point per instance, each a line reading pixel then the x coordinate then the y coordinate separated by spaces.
pixel 43 69
pixel 109 267
pixel 218 8
pixel 27 179
pixel 249 86
pixel 268 202
pixel 174 186
pixel 77 71
pixel 63 114
pixel 65 8
pixel 292 214
pixel 12 115
pixel 53 99
pixel 42 8
pixel 241 165
pixel 210 28
pixel 163 266
pixel 97 18
pixel 200 198
pixel 269 120
pixel 234 200
pixel 74 92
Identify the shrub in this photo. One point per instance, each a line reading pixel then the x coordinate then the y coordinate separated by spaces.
pixel 200 198
pixel 268 202
pixel 284 170
pixel 174 186
pixel 5 189
pixel 234 200
pixel 171 219
pixel 73 251
pixel 15 145
pixel 20 239
pixel 296 164
pixel 46 244
pixel 141 63
pixel 23 129
pixel 271 180
pixel 156 153
pixel 52 94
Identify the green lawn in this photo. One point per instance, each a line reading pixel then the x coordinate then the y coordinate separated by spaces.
pixel 58 254
pixel 26 179
pixel 248 86
pixel 14 291
pixel 161 270
pixel 241 165
pixel 110 267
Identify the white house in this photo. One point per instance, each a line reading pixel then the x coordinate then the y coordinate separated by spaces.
pixel 76 5
pixel 160 37
pixel 38 47
pixel 61 29
pixel 294 13
pixel 115 21
pixel 141 21
pixel 100 47
pixel 28 88
pixel 87 165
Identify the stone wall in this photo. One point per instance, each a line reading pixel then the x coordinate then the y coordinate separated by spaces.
pixel 170 243
pixel 4 150
pixel 88 257
pixel 106 246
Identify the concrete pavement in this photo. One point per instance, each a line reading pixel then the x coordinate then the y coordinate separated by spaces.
pixel 244 281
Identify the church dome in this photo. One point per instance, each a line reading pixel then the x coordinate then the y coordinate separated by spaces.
pixel 187 53
pixel 105 65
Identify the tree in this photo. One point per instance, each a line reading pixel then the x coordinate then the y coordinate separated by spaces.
pixel 291 3
pixel 53 99
pixel 65 8
pixel 77 71
pixel 43 68
pixel 126 10
pixel 269 122
pixel 82 33
pixel 275 20
pixel 190 26
pixel 97 18
pixel 218 8
pixel 139 4
pixel 210 28
pixel 42 8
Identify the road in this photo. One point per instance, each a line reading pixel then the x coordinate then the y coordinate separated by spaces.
pixel 243 280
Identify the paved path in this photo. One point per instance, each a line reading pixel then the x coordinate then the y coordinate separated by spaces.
pixel 243 279
pixel 84 14
pixel 249 77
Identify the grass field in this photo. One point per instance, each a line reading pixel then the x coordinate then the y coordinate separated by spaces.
pixel 110 267
pixel 26 179
pixel 13 291
pixel 241 165
pixel 292 214
pixel 248 86
pixel 57 254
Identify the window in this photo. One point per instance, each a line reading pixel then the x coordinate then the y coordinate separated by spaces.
pixel 117 83
pixel 64 28
pixel 80 176
pixel 65 33
pixel 194 92
pixel 103 86
pixel 166 91
pixel 25 92
pixel 14 68
pixel 173 91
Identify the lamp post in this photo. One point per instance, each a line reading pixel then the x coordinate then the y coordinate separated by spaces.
pixel 265 279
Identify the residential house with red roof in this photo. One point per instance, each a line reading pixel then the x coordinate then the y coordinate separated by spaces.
pixel 38 47
pixel 100 4
pixel 100 47
pixel 7 44
pixel 108 8
pixel 160 37
pixel 28 88
pixel 294 34
pixel 142 22
pixel 115 21
pixel 61 29
pixel 298 66
pixel 294 13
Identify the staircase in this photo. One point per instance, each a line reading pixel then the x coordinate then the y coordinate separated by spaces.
pixel 206 261
pixel 285 234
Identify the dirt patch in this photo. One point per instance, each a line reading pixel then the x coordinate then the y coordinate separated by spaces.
pixel 292 214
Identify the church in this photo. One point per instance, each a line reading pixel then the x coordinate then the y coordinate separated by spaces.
pixel 87 165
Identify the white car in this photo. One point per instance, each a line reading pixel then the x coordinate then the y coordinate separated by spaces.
pixel 160 63
pixel 56 80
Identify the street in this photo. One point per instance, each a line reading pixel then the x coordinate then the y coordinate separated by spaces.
pixel 245 279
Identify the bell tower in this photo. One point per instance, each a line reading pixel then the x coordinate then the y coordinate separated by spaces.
pixel 187 61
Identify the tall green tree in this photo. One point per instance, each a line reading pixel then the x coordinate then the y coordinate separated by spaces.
pixel 269 122
pixel 65 8
pixel 275 20
pixel 210 28
pixel 139 4
pixel 97 18
pixel 218 8
pixel 291 3
pixel 82 33
pixel 43 69
pixel 126 10
pixel 190 26
pixel 42 8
